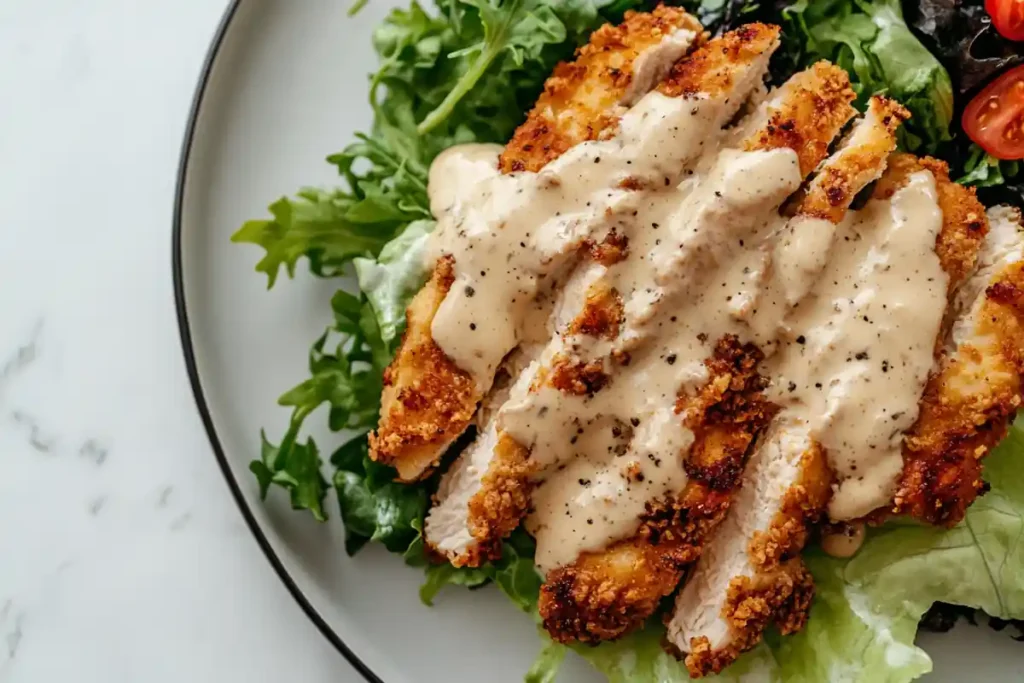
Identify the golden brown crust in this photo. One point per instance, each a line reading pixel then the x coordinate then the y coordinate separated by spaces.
pixel 503 499
pixel 602 313
pixel 611 250
pixel 829 195
pixel 802 508
pixel 782 596
pixel 605 594
pixel 781 589
pixel 809 119
pixel 427 400
pixel 969 400
pixel 711 68
pixel 575 377
pixel 581 98
pixel 966 409
pixel 725 415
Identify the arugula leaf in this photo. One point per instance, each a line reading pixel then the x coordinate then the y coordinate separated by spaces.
pixel 520 28
pixel 393 188
pixel 294 467
pixel 328 228
pixel 870 39
pixel 349 381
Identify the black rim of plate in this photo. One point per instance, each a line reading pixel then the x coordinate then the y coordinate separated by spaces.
pixel 185 331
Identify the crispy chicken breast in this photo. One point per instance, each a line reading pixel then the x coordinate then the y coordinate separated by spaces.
pixel 709 346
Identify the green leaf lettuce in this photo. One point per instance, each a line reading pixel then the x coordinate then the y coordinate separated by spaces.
pixel 391 279
pixel 871 40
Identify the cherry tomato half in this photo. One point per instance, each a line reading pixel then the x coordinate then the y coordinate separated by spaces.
pixel 995 118
pixel 1007 17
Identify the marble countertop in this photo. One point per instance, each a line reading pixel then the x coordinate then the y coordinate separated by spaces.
pixel 124 557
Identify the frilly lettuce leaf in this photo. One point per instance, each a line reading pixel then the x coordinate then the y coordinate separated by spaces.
pixel 871 40
pixel 329 228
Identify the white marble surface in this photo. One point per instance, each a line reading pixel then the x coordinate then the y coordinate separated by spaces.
pixel 123 556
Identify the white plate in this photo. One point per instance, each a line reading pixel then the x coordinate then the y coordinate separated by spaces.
pixel 284 86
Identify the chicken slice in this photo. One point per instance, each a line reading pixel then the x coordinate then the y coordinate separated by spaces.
pixel 428 400
pixel 979 384
pixel 750 574
pixel 582 99
pixel 482 495
pixel 479 503
pixel 604 593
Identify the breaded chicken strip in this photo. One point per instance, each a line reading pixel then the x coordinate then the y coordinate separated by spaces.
pixel 750 574
pixel 604 594
pixel 979 385
pixel 486 494
pixel 428 401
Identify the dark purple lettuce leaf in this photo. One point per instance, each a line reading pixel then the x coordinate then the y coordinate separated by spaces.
pixel 960 33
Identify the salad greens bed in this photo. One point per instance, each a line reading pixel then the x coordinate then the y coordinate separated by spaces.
pixel 467 71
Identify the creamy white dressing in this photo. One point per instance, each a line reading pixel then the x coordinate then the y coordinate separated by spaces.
pixel 708 256
pixel 625 445
pixel 511 235
pixel 860 347
pixel 845 540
